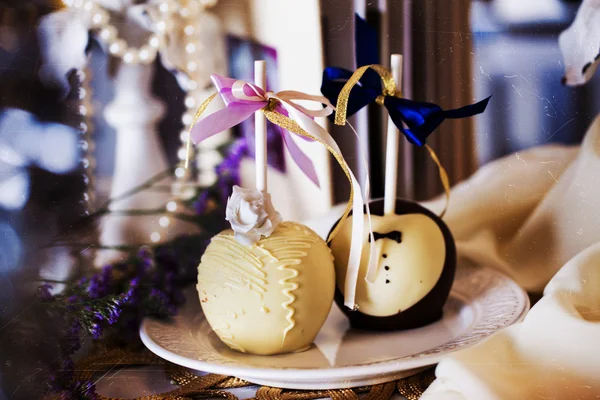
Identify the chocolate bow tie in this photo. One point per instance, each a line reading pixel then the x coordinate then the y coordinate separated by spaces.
pixel 393 235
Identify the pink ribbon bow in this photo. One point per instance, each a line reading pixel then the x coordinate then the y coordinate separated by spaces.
pixel 243 99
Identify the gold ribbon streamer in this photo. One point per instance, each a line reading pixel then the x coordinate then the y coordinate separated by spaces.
pixel 443 177
pixel 389 89
pixel 199 112
pixel 292 126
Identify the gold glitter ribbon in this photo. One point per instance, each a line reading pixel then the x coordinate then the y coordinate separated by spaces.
pixel 443 177
pixel 199 112
pixel 292 126
pixel 190 385
pixel 389 89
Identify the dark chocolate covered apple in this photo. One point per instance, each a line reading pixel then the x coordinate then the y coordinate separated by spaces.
pixel 416 261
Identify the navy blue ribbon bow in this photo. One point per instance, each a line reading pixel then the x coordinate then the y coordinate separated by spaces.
pixel 420 118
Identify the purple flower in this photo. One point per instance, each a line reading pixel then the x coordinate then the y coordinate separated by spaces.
pixel 80 390
pixel 146 259
pixel 145 252
pixel 44 292
pixel 99 284
pixel 162 301
pixel 73 299
pixel 228 170
pixel 87 390
pixel 95 330
pixel 113 314
pixel 62 375
pixel 202 202
pixel 74 329
pixel 133 285
pixel 72 341
pixel 117 298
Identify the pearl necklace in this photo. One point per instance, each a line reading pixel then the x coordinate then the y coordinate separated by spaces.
pixel 145 54
pixel 206 155
pixel 183 188
pixel 86 143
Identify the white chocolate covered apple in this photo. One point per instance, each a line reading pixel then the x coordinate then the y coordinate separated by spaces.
pixel 268 296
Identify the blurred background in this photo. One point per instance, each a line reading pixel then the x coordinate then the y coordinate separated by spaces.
pixel 516 58
pixel 58 143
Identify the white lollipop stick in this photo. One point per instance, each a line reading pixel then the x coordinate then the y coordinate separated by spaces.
pixel 391 155
pixel 260 129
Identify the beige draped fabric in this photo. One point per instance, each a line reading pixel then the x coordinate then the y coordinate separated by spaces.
pixel 553 354
pixel 536 216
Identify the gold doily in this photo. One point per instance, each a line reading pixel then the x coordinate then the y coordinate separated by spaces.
pixel 212 385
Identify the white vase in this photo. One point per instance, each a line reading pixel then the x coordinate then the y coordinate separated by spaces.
pixel 134 113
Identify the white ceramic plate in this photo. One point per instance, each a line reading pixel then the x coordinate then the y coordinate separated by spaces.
pixel 482 302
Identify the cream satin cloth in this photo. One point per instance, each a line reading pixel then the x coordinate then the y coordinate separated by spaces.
pixel 536 216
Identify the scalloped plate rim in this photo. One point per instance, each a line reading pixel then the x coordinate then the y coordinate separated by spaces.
pixel 362 371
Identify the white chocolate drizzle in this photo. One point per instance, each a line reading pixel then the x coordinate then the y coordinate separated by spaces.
pixel 236 267
pixel 289 250
pixel 233 273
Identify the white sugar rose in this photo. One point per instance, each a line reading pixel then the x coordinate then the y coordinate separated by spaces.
pixel 251 215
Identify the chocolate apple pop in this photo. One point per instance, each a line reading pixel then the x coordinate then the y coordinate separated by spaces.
pixel 416 255
pixel 266 286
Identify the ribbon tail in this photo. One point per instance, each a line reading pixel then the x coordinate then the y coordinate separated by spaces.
pixel 302 125
pixel 418 135
pixel 373 256
pixel 468 110
pixel 199 112
pixel 356 245
pixel 222 120
pixel 301 159
pixel 222 82
pixel 443 177
pixel 358 203
pixel 290 96
pixel 423 118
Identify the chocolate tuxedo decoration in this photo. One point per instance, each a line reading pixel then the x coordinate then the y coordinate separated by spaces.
pixel 415 271
pixel 396 236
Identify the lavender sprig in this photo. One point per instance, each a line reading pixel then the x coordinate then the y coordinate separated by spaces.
pixel 110 304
